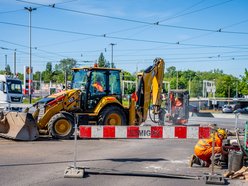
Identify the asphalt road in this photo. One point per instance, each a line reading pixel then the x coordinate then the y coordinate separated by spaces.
pixel 43 162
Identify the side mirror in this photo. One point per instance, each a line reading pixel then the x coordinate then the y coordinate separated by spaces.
pixel 83 87
pixel 4 87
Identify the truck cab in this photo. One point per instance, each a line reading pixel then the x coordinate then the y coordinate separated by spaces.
pixel 10 89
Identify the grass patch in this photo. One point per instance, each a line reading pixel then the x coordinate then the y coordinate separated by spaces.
pixel 34 100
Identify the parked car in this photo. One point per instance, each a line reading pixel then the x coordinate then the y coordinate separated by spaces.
pixel 227 109
pixel 242 111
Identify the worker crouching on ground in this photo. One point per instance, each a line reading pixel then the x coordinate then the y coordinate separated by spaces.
pixel 203 149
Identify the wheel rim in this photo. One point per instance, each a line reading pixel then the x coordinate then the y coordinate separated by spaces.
pixel 62 127
pixel 113 119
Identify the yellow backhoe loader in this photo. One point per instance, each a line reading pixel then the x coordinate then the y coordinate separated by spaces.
pixel 95 96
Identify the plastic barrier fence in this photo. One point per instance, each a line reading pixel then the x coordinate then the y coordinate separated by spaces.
pixel 156 132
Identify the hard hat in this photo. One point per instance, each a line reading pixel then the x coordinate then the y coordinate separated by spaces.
pixel 222 132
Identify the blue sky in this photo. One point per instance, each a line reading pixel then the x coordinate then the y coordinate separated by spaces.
pixel 200 35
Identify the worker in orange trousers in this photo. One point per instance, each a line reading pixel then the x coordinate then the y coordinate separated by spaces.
pixel 203 149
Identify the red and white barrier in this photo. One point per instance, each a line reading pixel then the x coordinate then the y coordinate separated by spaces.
pixel 182 132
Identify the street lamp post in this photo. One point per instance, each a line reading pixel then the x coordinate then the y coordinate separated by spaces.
pixel 112 61
pixel 6 57
pixel 14 63
pixel 30 9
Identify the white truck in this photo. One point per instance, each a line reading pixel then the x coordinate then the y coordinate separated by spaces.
pixel 10 92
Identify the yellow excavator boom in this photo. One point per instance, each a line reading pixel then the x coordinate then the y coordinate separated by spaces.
pixel 149 90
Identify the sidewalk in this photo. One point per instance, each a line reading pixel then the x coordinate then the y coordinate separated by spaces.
pixel 218 114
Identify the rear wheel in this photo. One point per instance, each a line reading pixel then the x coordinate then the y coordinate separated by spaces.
pixel 60 126
pixel 112 116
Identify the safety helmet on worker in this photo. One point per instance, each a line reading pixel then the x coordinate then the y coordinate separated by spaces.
pixel 222 132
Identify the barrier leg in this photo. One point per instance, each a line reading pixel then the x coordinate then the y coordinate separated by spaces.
pixel 74 171
pixel 213 178
pixel 236 120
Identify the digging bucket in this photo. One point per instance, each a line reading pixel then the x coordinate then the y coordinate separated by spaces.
pixel 18 126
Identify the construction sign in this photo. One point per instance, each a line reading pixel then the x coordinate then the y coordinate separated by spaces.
pixel 28 72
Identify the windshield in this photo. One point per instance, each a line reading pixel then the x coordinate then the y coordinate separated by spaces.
pixel 14 86
pixel 79 79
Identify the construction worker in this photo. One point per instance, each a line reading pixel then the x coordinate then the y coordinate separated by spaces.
pixel 203 149
pixel 97 85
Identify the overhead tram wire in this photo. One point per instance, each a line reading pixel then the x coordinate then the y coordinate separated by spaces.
pixel 117 50
pixel 199 59
pixel 212 31
pixel 228 26
pixel 178 14
pixel 137 27
pixel 125 61
pixel 60 55
pixel 131 20
pixel 217 4
pixel 37 49
pixel 132 28
pixel 120 38
pixel 35 54
pixel 11 11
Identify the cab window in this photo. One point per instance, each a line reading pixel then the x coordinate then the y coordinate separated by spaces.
pixel 98 83
pixel 114 82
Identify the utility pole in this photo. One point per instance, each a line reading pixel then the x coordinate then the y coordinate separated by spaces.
pixel 6 61
pixel 40 85
pixel 236 89
pixel 112 61
pixel 228 94
pixel 15 62
pixel 30 9
pixel 177 80
pixel 189 86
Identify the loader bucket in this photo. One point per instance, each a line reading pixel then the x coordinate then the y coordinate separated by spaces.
pixel 18 126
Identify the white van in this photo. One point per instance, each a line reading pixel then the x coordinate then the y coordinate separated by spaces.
pixel 10 90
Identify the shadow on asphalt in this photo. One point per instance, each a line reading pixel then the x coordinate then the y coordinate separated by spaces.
pixel 136 159
pixel 111 159
pixel 202 114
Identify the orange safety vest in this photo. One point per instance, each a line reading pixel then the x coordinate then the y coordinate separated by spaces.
pixel 178 103
pixel 204 146
pixel 98 86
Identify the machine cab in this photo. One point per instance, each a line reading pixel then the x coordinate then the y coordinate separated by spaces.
pixel 10 89
pixel 96 83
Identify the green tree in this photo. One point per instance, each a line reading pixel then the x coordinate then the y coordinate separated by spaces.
pixel 128 76
pixel 171 72
pixel 243 85
pixel 63 70
pixel 7 70
pixel 20 76
pixel 102 61
pixel 47 75
pixel 226 85
pixel 36 75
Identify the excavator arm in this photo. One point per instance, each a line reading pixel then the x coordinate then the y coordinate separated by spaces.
pixel 149 90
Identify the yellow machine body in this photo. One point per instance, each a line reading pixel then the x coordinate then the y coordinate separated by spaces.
pixel 56 113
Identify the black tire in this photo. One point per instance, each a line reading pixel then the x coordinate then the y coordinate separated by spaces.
pixel 112 116
pixel 60 126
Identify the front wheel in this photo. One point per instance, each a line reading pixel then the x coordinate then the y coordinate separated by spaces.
pixel 61 126
pixel 112 116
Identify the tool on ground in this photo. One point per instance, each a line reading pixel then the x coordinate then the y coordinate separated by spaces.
pixel 74 171
pixel 214 178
